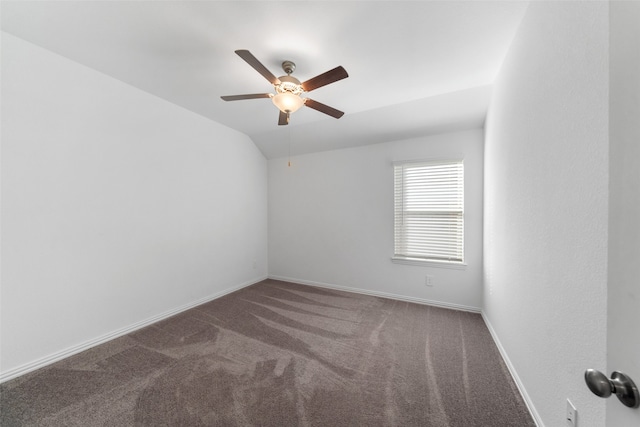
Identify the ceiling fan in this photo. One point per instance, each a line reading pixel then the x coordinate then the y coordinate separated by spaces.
pixel 288 89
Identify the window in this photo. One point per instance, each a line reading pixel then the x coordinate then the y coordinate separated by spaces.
pixel 429 211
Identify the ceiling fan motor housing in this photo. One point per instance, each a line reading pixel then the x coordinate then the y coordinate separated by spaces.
pixel 289 84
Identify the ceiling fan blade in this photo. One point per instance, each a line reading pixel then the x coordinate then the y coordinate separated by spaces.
pixel 248 96
pixel 323 108
pixel 324 79
pixel 283 119
pixel 257 65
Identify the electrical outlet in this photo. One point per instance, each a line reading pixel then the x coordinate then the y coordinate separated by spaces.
pixel 428 280
pixel 572 415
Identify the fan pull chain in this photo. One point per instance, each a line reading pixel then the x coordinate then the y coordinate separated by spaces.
pixel 289 162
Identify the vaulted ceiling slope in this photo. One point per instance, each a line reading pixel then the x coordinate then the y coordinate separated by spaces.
pixel 414 67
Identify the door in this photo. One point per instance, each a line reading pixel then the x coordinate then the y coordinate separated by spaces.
pixel 623 327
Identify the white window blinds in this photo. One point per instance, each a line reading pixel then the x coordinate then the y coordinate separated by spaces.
pixel 429 211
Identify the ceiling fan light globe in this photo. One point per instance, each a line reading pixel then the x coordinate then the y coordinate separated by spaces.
pixel 287 102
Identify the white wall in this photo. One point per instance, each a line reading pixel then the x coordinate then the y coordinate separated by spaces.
pixel 331 220
pixel 546 175
pixel 623 340
pixel 117 206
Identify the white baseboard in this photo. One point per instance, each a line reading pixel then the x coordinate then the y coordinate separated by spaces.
pixel 47 360
pixel 514 374
pixel 379 294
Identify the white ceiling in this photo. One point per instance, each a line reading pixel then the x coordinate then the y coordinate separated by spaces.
pixel 415 67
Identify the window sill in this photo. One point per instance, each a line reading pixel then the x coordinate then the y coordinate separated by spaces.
pixel 429 263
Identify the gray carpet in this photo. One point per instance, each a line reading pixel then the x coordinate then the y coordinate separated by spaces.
pixel 280 354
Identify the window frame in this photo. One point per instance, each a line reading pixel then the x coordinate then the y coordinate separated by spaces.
pixel 419 260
